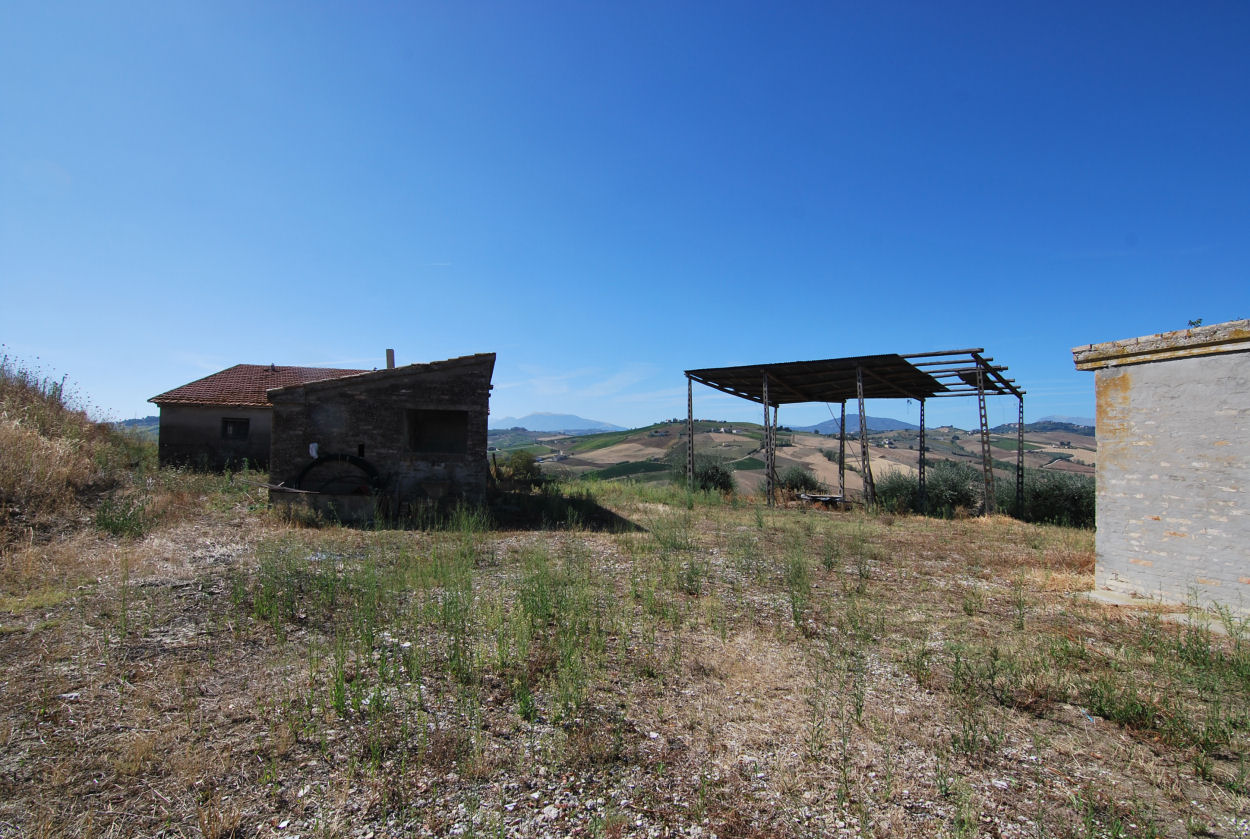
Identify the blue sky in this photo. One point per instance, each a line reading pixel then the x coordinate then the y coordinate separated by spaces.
pixel 606 194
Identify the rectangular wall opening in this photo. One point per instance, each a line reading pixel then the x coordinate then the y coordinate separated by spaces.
pixel 234 429
pixel 438 432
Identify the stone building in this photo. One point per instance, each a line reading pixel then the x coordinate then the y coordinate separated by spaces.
pixel 1173 457
pixel 224 419
pixel 386 438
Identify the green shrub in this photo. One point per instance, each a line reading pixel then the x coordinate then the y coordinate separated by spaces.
pixel 715 477
pixel 952 486
pixel 1051 498
pixel 899 492
pixel 798 479
pixel 523 466
pixel 710 473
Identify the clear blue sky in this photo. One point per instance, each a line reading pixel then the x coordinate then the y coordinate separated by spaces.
pixel 606 194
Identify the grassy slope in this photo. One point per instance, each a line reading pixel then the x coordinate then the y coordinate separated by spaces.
pixel 55 463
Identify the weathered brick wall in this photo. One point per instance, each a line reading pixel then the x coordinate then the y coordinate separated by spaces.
pixel 190 435
pixel 1173 462
pixel 369 414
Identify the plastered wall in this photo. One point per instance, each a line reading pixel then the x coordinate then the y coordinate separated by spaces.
pixel 190 435
pixel 1173 463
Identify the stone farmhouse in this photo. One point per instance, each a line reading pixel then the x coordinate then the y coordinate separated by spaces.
pixel 223 420
pixel 387 438
pixel 342 440
pixel 1173 513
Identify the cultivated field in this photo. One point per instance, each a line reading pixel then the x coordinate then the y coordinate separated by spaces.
pixel 704 666
pixel 890 451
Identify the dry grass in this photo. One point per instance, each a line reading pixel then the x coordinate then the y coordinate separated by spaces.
pixel 728 669
pixel 56 461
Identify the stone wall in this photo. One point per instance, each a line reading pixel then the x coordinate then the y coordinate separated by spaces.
pixel 1173 457
pixel 377 418
pixel 191 435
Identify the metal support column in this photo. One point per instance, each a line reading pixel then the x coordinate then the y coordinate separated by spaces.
pixel 775 409
pixel 987 460
pixel 842 454
pixel 924 490
pixel 870 488
pixel 768 447
pixel 1020 462
pixel 689 434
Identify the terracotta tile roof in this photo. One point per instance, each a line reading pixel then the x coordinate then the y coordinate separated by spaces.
pixel 245 384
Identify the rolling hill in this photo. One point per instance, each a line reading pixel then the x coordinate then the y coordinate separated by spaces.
pixel 145 427
pixel 1041 426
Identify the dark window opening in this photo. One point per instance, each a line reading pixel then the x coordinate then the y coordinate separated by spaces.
pixel 234 429
pixel 438 432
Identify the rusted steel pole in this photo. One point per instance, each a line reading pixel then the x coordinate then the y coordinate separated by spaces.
pixel 924 490
pixel 774 467
pixel 842 453
pixel 768 447
pixel 870 488
pixel 1020 462
pixel 987 460
pixel 689 434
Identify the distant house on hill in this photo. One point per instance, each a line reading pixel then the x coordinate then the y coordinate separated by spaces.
pixel 224 419
pixel 1173 429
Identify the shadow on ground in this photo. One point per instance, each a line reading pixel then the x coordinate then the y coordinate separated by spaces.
pixel 545 510
pixel 514 508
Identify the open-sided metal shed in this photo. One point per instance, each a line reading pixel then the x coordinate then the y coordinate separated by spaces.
pixel 919 376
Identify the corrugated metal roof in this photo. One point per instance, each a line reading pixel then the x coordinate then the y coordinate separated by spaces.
pixel 826 380
pixel 246 384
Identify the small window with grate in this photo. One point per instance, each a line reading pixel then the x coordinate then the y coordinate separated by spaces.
pixel 438 432
pixel 234 429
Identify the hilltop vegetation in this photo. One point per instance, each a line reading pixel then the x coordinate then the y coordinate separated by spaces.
pixel 1046 426
pixel 147 428
pixel 636 661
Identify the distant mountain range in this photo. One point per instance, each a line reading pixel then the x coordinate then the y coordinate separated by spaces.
pixel 831 426
pixel 562 423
